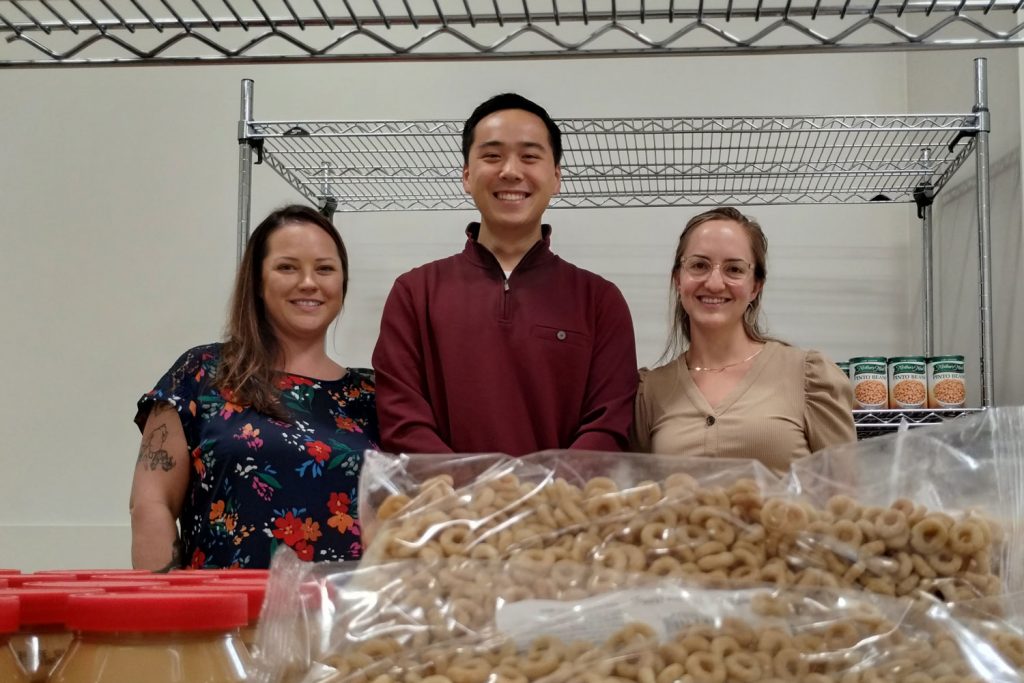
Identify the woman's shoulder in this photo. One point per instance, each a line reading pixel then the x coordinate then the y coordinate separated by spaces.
pixel 662 377
pixel 204 356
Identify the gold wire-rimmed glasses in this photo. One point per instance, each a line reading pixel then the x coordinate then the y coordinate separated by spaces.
pixel 700 268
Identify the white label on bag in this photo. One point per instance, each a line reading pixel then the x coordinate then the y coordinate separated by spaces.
pixel 597 619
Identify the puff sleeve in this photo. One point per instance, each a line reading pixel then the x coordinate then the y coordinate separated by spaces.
pixel 828 403
pixel 640 432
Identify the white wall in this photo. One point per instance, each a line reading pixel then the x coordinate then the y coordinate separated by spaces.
pixel 118 189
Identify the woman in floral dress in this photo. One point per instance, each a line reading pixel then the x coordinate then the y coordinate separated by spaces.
pixel 257 442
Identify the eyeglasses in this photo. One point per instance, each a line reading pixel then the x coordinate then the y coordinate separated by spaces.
pixel 700 268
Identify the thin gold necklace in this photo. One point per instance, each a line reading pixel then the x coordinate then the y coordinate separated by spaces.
pixel 726 367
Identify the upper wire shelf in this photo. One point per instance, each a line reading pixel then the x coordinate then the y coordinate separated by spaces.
pixel 652 162
pixel 108 32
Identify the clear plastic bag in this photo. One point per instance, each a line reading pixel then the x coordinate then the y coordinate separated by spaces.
pixel 902 515
pixel 409 622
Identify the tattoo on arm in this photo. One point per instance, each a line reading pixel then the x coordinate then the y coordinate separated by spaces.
pixel 152 451
pixel 175 563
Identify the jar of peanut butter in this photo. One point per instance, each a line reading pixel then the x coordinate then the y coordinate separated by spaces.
pixel 10 621
pixel 254 592
pixel 42 638
pixel 159 637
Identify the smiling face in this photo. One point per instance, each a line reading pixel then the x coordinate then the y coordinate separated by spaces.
pixel 714 302
pixel 511 171
pixel 301 281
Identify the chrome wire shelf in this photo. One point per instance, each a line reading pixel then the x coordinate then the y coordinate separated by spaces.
pixel 878 422
pixel 105 32
pixel 403 165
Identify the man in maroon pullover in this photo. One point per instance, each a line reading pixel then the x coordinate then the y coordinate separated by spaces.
pixel 505 347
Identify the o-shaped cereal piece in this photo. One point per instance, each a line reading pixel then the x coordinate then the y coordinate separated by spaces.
pixel 705 667
pixel 946 563
pixel 392 505
pixel 846 531
pixel 456 540
pixel 472 670
pixel 599 486
pixel 790 664
pixel 890 523
pixel 644 495
pixel 567 573
pixel 743 666
pixel 692 535
pixel 657 536
pixel 507 672
pixel 1011 646
pixel 843 507
pixel 967 537
pixel 604 505
pixel 631 636
pixel 665 566
pixel 779 514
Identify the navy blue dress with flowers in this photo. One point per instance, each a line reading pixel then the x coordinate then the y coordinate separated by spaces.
pixel 256 482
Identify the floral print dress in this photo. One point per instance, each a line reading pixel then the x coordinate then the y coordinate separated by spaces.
pixel 257 482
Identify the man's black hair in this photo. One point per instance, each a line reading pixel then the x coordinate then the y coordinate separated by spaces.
pixel 505 101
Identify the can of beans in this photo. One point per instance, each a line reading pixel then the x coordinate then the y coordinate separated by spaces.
pixel 844 366
pixel 947 387
pixel 908 382
pixel 870 382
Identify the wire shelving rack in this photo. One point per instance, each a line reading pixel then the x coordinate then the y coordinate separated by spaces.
pixel 110 32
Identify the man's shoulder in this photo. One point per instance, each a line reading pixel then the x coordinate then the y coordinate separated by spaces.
pixel 587 278
pixel 430 269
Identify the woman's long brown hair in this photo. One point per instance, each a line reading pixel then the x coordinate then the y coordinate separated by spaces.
pixel 251 354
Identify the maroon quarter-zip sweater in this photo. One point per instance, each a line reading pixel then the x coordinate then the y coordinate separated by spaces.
pixel 468 361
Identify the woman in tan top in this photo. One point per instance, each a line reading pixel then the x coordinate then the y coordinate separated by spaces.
pixel 734 392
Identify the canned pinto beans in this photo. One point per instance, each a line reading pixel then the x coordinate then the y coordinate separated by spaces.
pixel 908 382
pixel 870 380
pixel 946 383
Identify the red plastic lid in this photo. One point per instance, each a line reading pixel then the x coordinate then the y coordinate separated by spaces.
pixel 173 579
pixel 89 573
pixel 8 572
pixel 253 592
pixel 154 611
pixel 3 583
pixel 10 613
pixel 44 606
pixel 105 586
pixel 16 580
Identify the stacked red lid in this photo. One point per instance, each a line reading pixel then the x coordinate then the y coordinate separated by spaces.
pixel 173 578
pixel 10 614
pixel 111 586
pixel 45 606
pixel 90 573
pixel 9 572
pixel 254 592
pixel 18 580
pixel 154 611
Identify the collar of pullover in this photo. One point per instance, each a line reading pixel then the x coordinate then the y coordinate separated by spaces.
pixel 482 256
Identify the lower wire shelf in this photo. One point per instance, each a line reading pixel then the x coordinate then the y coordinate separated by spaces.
pixel 878 422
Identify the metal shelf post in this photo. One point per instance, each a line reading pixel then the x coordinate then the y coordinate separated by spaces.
pixel 984 231
pixel 244 168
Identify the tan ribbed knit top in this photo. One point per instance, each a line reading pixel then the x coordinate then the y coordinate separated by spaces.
pixel 789 404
